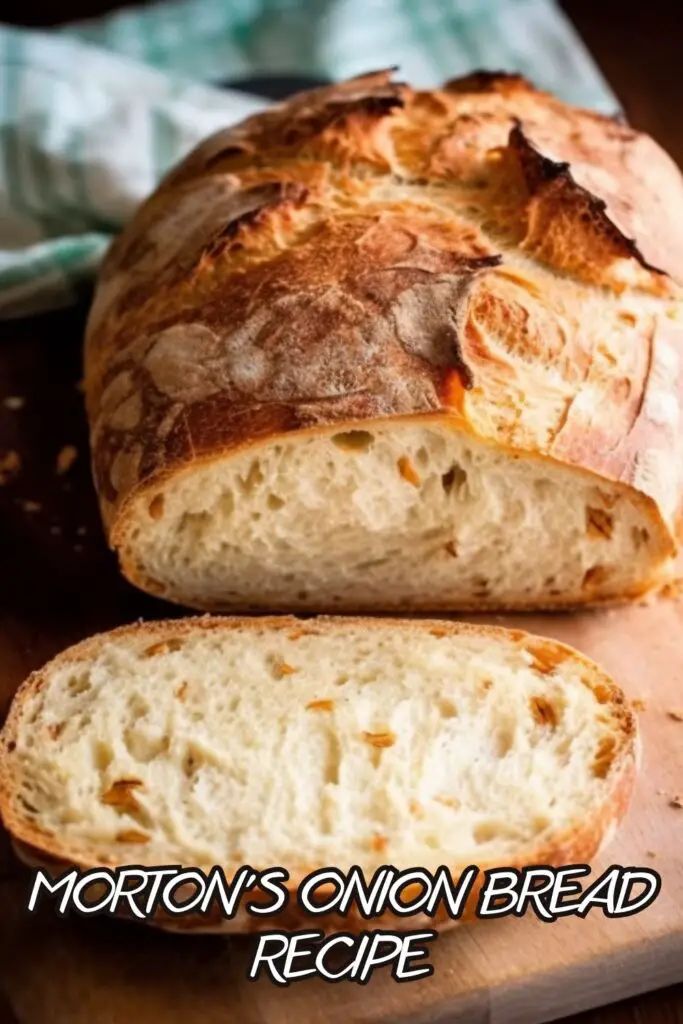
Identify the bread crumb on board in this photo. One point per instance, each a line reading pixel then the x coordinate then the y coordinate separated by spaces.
pixel 10 464
pixel 66 457
pixel 676 714
pixel 638 704
pixel 672 590
pixel 677 802
pixel 29 505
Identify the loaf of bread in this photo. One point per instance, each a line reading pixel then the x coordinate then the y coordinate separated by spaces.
pixel 384 349
pixel 329 742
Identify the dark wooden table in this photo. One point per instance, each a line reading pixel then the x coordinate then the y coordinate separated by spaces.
pixel 49 527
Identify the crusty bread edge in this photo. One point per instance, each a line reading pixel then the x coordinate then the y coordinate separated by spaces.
pixel 120 530
pixel 576 845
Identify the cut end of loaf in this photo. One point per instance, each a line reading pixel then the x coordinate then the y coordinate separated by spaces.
pixel 389 515
pixel 326 742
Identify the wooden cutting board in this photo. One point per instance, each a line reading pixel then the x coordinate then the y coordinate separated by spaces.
pixel 59 583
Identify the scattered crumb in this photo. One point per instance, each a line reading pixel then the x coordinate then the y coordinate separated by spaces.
pixel 66 458
pixel 56 531
pixel 650 853
pixel 81 531
pixel 676 714
pixel 30 506
pixel 320 705
pixel 639 704
pixel 677 802
pixel 379 739
pixel 672 589
pixel 10 464
pixel 14 402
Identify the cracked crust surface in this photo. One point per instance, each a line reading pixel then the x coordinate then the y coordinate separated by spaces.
pixel 482 252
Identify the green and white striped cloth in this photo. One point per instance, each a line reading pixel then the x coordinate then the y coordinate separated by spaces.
pixel 92 114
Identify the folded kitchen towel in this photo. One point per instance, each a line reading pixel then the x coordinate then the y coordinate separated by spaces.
pixel 92 114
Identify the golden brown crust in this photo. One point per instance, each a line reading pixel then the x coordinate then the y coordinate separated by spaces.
pixel 577 845
pixel 483 253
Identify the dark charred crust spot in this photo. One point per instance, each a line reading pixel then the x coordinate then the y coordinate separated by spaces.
pixel 537 168
pixel 487 81
pixel 382 73
pixel 540 172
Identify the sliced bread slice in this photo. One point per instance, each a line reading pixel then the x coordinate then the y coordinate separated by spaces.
pixel 313 743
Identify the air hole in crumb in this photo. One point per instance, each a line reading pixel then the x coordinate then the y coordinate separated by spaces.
pixel 447 708
pixel 281 668
pixel 485 831
pixel 380 740
pixel 172 643
pixel 78 684
pixel 408 471
pixel 599 524
pixel 504 740
pixel 190 763
pixel 604 757
pixel 103 755
pixel 453 479
pixel 253 478
pixel 640 536
pixel 274 503
pixel 596 575
pixel 144 748
pixel 156 506
pixel 543 712
pixel 353 440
